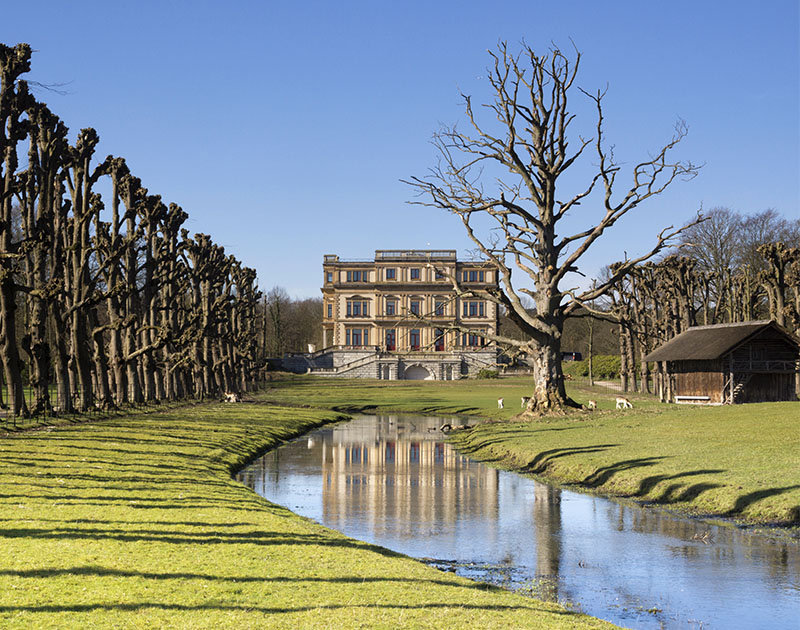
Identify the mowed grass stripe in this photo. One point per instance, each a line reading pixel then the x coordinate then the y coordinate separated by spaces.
pixel 135 522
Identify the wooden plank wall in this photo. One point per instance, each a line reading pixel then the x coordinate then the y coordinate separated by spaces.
pixel 699 378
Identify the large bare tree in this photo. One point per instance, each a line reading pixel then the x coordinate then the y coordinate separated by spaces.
pixel 526 135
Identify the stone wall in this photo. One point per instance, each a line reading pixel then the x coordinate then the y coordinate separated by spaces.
pixel 393 366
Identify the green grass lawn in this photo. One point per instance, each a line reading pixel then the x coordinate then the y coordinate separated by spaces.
pixel 740 461
pixel 135 522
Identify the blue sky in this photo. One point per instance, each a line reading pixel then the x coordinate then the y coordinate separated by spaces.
pixel 284 129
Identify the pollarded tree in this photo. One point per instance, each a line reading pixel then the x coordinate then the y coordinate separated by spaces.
pixel 39 197
pixel 14 100
pixel 530 141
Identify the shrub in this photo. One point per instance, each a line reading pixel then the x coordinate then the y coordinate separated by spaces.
pixel 487 373
pixel 603 366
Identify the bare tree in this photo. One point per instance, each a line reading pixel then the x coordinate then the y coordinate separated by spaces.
pixel 277 305
pixel 531 142
pixel 14 99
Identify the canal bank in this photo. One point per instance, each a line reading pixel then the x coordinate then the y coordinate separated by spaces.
pixel 136 522
pixel 395 481
pixel 733 462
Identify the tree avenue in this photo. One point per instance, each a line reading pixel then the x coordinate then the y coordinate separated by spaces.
pixel 529 141
pixel 109 305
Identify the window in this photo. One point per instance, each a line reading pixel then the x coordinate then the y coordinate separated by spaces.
pixel 414 273
pixel 471 339
pixel 357 308
pixel 330 310
pixel 390 273
pixel 390 340
pixel 438 341
pixel 356 337
pixel 439 307
pixel 328 276
pixel 439 275
pixel 473 309
pixel 357 276
pixel 391 307
pixel 473 276
pixel 415 307
pixel 413 339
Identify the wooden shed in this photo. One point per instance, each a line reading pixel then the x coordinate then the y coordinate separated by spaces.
pixel 754 361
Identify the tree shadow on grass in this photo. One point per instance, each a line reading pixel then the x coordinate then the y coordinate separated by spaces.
pixel 746 500
pixel 689 493
pixel 648 483
pixel 209 537
pixel 540 463
pixel 472 444
pixel 98 571
pixel 604 474
pixel 530 605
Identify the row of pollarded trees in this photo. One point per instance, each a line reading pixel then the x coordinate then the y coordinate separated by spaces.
pixel 108 300
pixel 712 281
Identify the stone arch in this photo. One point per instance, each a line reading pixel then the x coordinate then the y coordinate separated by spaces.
pixel 417 372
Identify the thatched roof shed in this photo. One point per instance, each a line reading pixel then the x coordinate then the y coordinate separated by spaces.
pixel 729 363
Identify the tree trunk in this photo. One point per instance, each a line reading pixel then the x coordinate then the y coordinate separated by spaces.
pixel 102 390
pixel 549 393
pixel 81 360
pixel 591 351
pixel 9 350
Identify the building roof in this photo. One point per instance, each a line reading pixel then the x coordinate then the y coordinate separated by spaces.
pixel 711 342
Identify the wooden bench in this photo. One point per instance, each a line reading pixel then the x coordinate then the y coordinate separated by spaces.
pixel 692 399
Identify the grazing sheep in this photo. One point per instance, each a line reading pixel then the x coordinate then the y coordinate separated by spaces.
pixel 525 401
pixel 232 397
pixel 623 403
pixel 499 403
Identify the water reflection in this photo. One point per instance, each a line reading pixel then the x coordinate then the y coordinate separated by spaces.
pixel 394 481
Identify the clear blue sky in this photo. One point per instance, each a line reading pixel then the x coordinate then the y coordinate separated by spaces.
pixel 283 129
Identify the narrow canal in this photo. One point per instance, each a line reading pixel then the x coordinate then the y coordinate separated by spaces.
pixel 395 482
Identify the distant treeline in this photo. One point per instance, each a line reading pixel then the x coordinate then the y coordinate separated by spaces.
pixel 289 324
pixel 105 301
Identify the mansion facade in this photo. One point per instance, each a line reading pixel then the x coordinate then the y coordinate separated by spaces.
pixel 406 314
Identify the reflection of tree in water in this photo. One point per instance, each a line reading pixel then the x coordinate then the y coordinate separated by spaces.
pixel 547 531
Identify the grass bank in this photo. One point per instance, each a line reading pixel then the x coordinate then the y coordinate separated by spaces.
pixel 737 461
pixel 135 522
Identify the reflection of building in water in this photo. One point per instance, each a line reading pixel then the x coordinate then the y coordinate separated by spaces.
pixel 393 473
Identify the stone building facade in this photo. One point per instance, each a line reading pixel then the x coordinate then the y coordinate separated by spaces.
pixel 406 314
